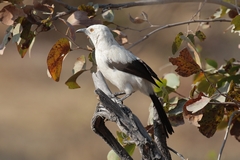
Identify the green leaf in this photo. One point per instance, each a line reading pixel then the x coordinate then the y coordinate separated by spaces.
pixel 78 69
pixel 108 15
pixel 124 140
pixel 26 25
pixel 236 23
pixel 177 43
pixel 212 63
pixel 178 108
pixel 71 82
pixel 24 44
pixel 191 38
pixel 201 36
pixel 130 148
pixel 219 12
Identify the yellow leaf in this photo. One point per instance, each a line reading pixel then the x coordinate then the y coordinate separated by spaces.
pixel 56 56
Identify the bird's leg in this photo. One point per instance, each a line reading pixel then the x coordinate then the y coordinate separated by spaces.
pixel 125 97
pixel 119 93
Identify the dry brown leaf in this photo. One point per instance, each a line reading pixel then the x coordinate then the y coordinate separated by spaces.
pixel 121 37
pixel 195 117
pixel 56 56
pixel 10 13
pixel 81 17
pixel 186 64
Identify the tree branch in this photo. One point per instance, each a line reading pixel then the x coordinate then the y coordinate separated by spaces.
pixel 177 24
pixel 226 133
pixel 110 109
pixel 155 2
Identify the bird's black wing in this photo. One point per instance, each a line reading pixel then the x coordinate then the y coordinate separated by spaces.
pixel 137 68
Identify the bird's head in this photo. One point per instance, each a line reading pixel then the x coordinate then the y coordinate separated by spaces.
pixel 96 33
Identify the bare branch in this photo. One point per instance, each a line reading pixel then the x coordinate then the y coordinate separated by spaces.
pixel 177 24
pixel 178 154
pixel 226 133
pixel 155 2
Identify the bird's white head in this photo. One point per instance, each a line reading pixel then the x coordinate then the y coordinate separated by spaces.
pixel 98 33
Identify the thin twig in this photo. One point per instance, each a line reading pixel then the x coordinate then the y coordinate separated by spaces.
pixel 223 103
pixel 236 4
pixel 177 24
pixel 178 154
pixel 226 133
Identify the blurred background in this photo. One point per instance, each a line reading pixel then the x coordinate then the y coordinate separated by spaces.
pixel 44 120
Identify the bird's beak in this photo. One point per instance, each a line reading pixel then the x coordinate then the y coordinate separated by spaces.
pixel 83 30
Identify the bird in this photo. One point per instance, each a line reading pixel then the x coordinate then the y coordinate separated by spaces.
pixel 123 69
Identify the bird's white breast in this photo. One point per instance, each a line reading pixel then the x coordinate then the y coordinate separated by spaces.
pixel 123 81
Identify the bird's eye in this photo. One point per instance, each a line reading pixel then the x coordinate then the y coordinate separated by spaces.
pixel 91 29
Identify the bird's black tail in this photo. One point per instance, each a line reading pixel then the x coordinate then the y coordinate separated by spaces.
pixel 162 115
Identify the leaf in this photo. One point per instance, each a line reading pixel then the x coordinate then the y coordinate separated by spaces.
pixel 232 13
pixel 56 56
pixel 81 17
pixel 95 7
pixel 200 35
pixel 212 63
pixel 124 140
pixel 236 23
pixel 26 25
pixel 25 44
pixel 178 108
pixel 136 20
pixel 89 9
pixel 212 116
pixel 186 65
pixel 196 55
pixel 177 43
pixel 161 90
pixel 191 38
pixel 172 80
pixel 5 40
pixel 120 37
pixel 219 12
pixel 112 155
pixel 235 130
pixel 16 33
pixel 10 13
pixel 144 15
pixel 233 92
pixel 198 104
pixel 175 115
pixel 176 120
pixel 78 69
pixel 193 118
pixel 71 82
pixel 108 15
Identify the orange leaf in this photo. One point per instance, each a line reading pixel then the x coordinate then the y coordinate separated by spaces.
pixel 186 65
pixel 56 56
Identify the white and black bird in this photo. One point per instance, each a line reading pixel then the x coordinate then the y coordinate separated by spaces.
pixel 123 69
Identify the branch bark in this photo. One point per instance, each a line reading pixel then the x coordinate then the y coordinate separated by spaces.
pixel 110 109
